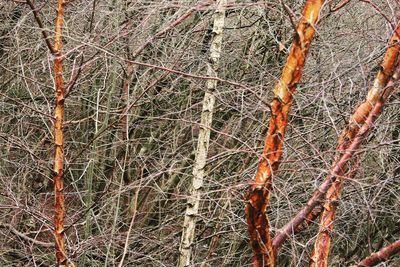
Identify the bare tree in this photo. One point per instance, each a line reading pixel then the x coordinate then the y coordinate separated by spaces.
pixel 135 76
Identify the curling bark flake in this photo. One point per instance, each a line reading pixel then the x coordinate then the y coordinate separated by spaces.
pixel 193 202
pixel 376 95
pixel 259 193
pixel 61 256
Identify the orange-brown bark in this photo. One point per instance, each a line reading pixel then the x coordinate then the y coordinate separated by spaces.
pixel 382 255
pixel 59 140
pixel 376 96
pixel 347 139
pixel 259 193
pixel 310 218
pixel 361 113
pixel 320 257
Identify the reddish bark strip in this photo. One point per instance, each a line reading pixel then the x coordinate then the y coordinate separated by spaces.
pixel 347 140
pixel 259 193
pixel 59 140
pixel 382 255
pixel 310 218
pixel 376 96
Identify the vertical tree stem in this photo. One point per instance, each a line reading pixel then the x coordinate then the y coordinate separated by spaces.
pixel 193 202
pixel 320 253
pixel 259 193
pixel 61 256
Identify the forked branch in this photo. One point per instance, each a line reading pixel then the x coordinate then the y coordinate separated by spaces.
pixel 349 140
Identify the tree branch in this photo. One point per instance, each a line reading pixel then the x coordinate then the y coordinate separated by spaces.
pixel 382 255
pixel 40 23
pixel 27 238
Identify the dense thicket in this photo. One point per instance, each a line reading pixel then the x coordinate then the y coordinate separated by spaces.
pixel 135 75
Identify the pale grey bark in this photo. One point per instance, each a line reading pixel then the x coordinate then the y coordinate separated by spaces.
pixel 193 202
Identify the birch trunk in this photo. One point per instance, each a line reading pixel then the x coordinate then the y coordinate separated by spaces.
pixel 61 256
pixel 259 193
pixel 193 202
pixel 320 253
pixel 347 139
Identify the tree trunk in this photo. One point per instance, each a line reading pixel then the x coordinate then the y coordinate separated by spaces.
pixel 320 253
pixel 347 139
pixel 259 193
pixel 193 202
pixel 61 256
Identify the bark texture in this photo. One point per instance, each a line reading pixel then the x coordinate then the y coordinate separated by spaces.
pixel 318 257
pixel 347 139
pixel 193 202
pixel 320 253
pixel 259 193
pixel 61 256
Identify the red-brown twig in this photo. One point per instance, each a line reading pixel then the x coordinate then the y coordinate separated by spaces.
pixel 340 5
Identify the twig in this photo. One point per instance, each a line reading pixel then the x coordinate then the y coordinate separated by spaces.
pixel 290 14
pixel 379 12
pixel 23 236
pixel 40 23
pixel 339 6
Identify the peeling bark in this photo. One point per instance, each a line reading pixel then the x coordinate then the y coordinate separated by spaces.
pixel 259 193
pixel 61 256
pixel 386 70
pixel 349 140
pixel 193 202
pixel 382 255
pixel 376 96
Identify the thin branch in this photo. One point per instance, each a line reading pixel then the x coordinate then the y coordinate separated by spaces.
pixel 339 6
pixel 25 237
pixel 40 23
pixel 379 11
pixel 291 15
